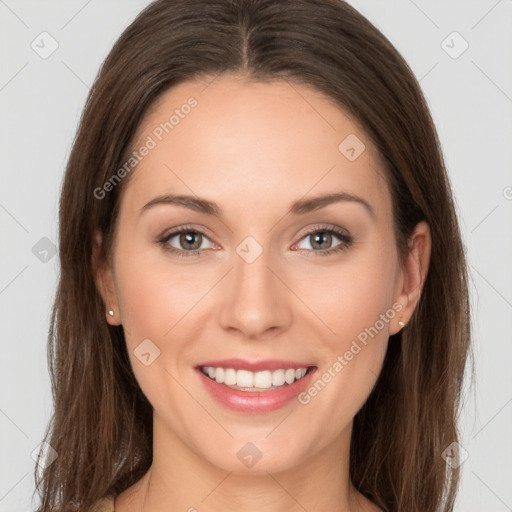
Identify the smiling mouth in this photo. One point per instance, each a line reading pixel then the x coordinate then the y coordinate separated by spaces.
pixel 265 380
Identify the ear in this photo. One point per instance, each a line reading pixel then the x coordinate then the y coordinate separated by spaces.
pixel 413 273
pixel 104 279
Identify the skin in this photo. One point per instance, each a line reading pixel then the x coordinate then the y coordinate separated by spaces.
pixel 254 148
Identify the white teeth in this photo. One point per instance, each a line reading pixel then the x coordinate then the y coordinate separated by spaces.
pixel 219 375
pixel 289 375
pixel 300 372
pixel 229 377
pixel 245 379
pixel 263 379
pixel 278 378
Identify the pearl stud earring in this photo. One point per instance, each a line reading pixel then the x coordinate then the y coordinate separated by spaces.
pixel 110 312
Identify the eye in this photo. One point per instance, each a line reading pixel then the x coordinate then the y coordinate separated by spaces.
pixel 320 241
pixel 189 241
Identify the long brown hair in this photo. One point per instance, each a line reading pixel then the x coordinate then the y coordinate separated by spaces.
pixel 101 428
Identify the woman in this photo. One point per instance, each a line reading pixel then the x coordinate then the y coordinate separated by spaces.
pixel 263 297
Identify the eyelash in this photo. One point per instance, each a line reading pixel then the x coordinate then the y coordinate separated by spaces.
pixel 346 241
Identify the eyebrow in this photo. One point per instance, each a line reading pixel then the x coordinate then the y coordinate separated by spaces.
pixel 300 207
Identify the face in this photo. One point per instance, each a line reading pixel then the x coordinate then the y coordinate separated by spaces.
pixel 259 273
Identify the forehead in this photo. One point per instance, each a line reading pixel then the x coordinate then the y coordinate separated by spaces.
pixel 253 144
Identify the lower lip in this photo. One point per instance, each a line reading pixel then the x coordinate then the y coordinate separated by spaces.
pixel 256 401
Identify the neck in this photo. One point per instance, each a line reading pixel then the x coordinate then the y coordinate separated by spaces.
pixel 180 480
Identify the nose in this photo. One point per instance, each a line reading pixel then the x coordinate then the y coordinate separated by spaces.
pixel 255 302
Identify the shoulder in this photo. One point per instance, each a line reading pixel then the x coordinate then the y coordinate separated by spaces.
pixel 104 505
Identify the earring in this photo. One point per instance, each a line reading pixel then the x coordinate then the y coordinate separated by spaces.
pixel 401 324
pixel 110 312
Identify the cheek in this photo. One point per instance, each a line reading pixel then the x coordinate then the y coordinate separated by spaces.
pixel 350 297
pixel 356 303
pixel 154 296
pixel 155 305
pixel 355 306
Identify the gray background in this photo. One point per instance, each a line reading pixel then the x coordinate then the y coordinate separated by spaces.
pixel 40 103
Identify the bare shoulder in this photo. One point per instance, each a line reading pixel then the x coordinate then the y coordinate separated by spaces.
pixel 104 505
pixel 367 505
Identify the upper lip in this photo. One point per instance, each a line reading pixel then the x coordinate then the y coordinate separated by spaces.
pixel 255 366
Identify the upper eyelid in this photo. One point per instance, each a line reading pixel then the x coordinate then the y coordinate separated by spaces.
pixel 186 229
